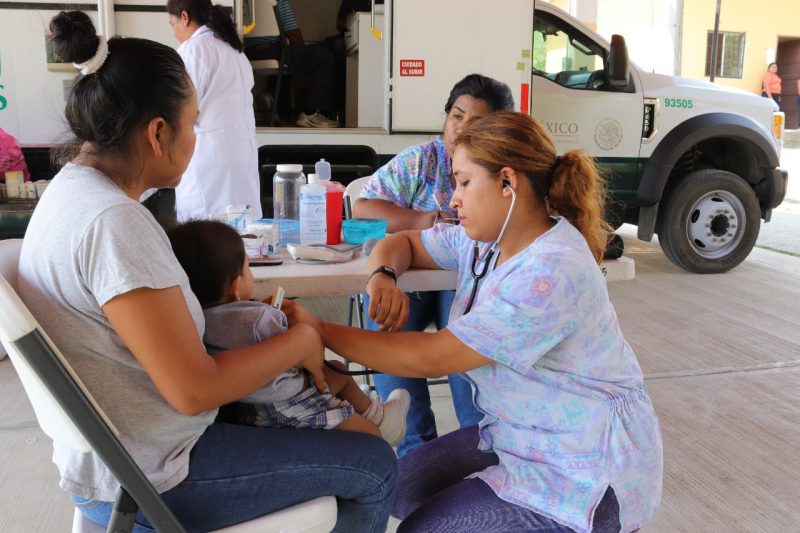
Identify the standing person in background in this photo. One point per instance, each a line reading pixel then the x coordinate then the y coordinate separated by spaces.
pixel 315 62
pixel 224 169
pixel 771 84
pixel 413 191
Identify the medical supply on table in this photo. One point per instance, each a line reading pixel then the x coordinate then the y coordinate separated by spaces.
pixel 334 201
pixel 277 297
pixel 358 230
pixel 239 216
pixel 286 185
pixel 28 191
pixel 318 254
pixel 261 238
pixel 323 169
pixel 283 227
pixel 15 184
pixel 270 260
pixel 313 229
pixel 41 185
pixel 334 208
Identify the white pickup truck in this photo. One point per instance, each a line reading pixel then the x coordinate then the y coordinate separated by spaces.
pixel 694 162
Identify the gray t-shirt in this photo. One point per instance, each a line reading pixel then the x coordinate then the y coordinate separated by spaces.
pixel 239 324
pixel 88 242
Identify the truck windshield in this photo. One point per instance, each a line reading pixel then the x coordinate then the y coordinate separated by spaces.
pixel 566 56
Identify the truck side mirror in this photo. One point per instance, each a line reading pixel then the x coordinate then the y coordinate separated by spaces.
pixel 617 64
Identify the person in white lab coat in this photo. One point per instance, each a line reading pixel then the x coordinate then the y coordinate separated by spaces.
pixel 224 168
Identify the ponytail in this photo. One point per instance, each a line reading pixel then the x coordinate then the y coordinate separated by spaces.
pixel 221 23
pixel 577 193
pixel 216 17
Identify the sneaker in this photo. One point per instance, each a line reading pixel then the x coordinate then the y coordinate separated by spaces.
pixel 317 120
pixel 393 425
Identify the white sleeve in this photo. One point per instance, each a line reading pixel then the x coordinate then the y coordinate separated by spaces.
pixel 196 60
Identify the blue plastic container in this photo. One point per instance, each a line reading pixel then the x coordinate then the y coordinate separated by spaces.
pixel 358 230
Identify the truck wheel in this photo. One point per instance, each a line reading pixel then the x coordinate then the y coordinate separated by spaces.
pixel 710 221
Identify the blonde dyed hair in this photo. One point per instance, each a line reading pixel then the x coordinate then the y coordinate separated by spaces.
pixel 570 185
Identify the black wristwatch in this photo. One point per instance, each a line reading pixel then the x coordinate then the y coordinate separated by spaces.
pixel 389 271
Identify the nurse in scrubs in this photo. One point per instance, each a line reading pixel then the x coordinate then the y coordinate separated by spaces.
pixel 224 168
pixel 569 440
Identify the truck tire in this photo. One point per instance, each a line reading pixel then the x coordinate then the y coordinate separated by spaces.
pixel 710 221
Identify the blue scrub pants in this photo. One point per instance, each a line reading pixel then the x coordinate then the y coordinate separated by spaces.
pixel 238 473
pixel 426 307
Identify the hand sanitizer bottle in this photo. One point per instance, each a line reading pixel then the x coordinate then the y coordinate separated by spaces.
pixel 313 229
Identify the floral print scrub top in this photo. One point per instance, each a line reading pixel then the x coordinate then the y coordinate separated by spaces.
pixel 565 406
pixel 413 178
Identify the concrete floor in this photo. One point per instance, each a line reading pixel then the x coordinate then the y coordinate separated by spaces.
pixel 721 355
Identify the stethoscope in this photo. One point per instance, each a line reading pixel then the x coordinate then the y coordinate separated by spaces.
pixel 476 278
pixel 487 259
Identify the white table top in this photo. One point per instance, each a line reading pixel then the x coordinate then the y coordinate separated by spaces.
pixel 351 277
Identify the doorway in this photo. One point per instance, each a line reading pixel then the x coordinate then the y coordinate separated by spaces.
pixel 788 60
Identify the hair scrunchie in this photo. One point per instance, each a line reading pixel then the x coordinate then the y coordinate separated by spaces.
pixel 93 64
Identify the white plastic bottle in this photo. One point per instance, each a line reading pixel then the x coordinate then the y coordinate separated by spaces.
pixel 313 225
pixel 323 170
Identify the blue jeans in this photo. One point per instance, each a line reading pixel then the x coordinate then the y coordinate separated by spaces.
pixel 424 308
pixel 238 473
pixel 434 495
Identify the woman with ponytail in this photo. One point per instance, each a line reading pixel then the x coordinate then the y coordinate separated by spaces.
pixel 224 169
pixel 569 440
pixel 98 272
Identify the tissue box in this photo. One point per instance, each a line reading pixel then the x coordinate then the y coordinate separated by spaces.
pixel 261 240
pixel 358 230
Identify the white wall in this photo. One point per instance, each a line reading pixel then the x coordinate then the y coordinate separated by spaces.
pixel 35 96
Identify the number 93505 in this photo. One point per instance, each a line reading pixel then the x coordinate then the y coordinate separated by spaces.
pixel 678 102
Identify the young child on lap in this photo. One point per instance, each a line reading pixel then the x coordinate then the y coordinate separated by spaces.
pixel 213 256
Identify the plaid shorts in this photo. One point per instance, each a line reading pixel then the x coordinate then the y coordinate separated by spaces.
pixel 308 409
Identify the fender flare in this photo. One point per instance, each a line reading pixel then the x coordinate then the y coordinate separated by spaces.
pixel 686 135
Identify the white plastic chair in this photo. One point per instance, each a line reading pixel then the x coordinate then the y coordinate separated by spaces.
pixel 67 413
pixel 351 194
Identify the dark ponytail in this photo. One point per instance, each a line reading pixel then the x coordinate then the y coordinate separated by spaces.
pixel 73 36
pixel 139 81
pixel 215 17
